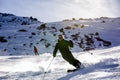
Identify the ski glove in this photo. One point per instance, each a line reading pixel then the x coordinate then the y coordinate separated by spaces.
pixel 71 43
pixel 54 55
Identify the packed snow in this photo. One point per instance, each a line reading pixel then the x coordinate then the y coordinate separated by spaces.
pixel 18 36
pixel 102 65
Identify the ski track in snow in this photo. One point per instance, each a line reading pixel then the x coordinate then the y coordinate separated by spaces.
pixel 100 66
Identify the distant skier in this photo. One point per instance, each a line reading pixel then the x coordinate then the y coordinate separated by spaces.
pixel 36 51
pixel 63 46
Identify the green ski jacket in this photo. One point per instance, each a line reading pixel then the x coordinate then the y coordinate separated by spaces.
pixel 63 47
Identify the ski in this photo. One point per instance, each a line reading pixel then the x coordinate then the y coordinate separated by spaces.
pixel 73 70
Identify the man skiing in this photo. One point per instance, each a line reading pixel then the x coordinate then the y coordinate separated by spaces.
pixel 63 46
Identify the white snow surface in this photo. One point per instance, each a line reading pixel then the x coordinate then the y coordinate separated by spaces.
pixel 102 65
pixel 18 62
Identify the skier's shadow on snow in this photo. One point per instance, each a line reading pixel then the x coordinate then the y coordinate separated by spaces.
pixel 91 68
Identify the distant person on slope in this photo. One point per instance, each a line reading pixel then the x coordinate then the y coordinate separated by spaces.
pixel 63 46
pixel 36 51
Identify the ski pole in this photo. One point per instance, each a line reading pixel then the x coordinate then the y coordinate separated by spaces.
pixel 86 51
pixel 47 68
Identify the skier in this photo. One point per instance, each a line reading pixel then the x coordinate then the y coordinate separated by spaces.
pixel 36 51
pixel 63 46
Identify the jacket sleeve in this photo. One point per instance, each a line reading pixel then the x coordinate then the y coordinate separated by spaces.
pixel 71 43
pixel 55 50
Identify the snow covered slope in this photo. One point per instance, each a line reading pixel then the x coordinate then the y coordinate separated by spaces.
pixel 18 35
pixel 103 65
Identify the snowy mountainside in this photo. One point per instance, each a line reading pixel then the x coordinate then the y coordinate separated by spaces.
pixel 15 33
pixel 18 35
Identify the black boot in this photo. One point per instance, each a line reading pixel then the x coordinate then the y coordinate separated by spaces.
pixel 77 64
